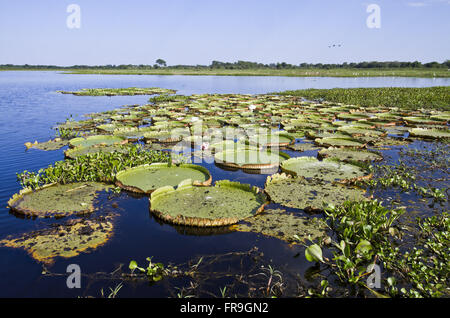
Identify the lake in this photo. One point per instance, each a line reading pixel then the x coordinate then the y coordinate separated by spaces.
pixel 30 107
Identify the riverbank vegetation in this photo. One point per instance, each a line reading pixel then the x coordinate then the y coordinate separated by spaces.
pixel 401 97
pixel 246 68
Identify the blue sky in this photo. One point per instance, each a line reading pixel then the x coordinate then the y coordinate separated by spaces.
pixel 199 31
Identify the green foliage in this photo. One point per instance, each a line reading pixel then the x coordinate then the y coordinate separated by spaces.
pixel 154 271
pixel 361 229
pixel 100 167
pixel 402 97
pixel 424 270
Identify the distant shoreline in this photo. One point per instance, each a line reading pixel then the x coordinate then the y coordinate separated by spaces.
pixel 401 72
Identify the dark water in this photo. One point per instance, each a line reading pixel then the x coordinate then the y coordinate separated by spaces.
pixel 30 106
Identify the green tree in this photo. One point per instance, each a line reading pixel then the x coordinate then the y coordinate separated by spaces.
pixel 161 62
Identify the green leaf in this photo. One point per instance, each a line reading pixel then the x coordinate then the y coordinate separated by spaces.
pixel 133 265
pixel 313 253
pixel 363 247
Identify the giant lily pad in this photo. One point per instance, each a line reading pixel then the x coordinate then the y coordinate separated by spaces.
pixel 96 140
pixel 81 151
pixel 147 178
pixel 348 154
pixel 271 140
pixel 310 195
pixel 225 203
pixel 339 142
pixel 429 133
pixel 284 226
pixel 250 159
pixel 67 240
pixel 54 144
pixel 327 169
pixel 56 200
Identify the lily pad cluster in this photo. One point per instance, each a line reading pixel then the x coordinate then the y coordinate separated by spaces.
pixel 119 91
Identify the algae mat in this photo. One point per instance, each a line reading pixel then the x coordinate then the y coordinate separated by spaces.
pixel 284 226
pixel 67 240
pixel 309 195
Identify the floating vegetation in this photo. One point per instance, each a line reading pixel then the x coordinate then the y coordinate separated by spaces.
pixel 53 144
pixel 248 159
pixel 98 167
pixel 64 240
pixel 339 142
pixel 243 131
pixel 327 169
pixel 147 178
pixel 429 133
pixel 284 226
pixel 119 91
pixel 309 195
pixel 302 147
pixel 96 140
pixel 224 204
pixel 271 140
pixel 401 97
pixel 350 155
pixel 73 153
pixel 67 199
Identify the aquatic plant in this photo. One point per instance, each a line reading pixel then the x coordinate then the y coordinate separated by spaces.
pixel 119 91
pixel 309 195
pixel 100 167
pixel 327 169
pixel 225 203
pixel 64 240
pixel 284 226
pixel 154 271
pixel 67 199
pixel 147 178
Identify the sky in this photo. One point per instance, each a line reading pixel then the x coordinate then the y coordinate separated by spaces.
pixel 200 31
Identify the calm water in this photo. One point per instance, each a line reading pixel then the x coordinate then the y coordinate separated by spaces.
pixel 30 107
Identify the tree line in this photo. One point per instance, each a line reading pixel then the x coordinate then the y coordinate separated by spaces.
pixel 243 65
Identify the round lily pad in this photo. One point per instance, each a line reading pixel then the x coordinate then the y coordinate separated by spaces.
pixel 271 140
pixel 327 169
pixel 302 147
pixel 348 155
pixel 429 133
pixel 96 140
pixel 356 130
pixel 310 195
pixel 81 151
pixel 147 178
pixel 57 200
pixel 225 203
pixel 250 159
pixel 339 142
